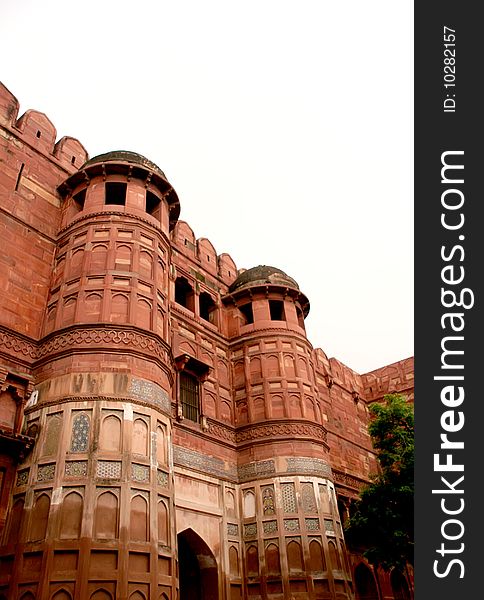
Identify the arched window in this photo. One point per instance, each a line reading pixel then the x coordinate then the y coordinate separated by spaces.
pixel 399 586
pixel 365 585
pixel 334 556
pixel 15 525
pixel 140 437
pixel 273 563
pixel 139 519
pixel 71 516
pixel 40 515
pixel 52 434
pixel 162 522
pixel 316 557
pixel 252 561
pixel 80 433
pixel 110 438
pixel 294 556
pixel 249 504
pixel 106 516
pixel 234 561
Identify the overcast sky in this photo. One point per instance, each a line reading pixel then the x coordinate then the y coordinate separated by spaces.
pixel 286 128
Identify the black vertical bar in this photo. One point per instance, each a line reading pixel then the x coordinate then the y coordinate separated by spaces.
pixel 448 131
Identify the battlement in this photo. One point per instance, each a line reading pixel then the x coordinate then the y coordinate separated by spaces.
pixel 37 130
pixel 202 252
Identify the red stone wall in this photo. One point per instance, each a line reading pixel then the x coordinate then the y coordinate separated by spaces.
pixel 90 320
pixel 32 166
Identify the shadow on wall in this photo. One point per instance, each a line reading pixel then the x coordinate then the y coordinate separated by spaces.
pixel 197 568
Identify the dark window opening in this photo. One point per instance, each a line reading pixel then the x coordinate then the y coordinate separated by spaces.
pixel 153 204
pixel 38 134
pixel 207 307
pixel 19 177
pixel 73 160
pixel 115 193
pixel 189 396
pixel 343 511
pixel 300 317
pixel 276 308
pixel 184 293
pixel 247 312
pixel 79 199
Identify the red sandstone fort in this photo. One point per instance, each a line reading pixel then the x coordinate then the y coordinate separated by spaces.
pixel 167 431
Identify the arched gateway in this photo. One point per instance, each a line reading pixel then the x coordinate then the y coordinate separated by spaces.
pixel 197 568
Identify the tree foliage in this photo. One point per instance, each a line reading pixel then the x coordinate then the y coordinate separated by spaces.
pixel 382 520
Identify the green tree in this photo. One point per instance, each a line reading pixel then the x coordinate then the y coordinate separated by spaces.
pixel 382 520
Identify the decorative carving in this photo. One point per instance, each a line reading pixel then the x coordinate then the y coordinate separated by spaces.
pixel 250 530
pixel 221 431
pixel 76 336
pixel 292 430
pixel 203 463
pixel 312 524
pixel 268 500
pixel 80 434
pixel 256 469
pixel 232 529
pixel 329 525
pixel 314 466
pixel 140 473
pixel 291 524
pixel 150 392
pixel 307 498
pixel 46 472
pixel 125 215
pixel 289 503
pixel 17 345
pixel 108 469
pixel 269 526
pixel 76 468
pixel 22 477
pixel 162 478
pixel 348 480
pixel 98 336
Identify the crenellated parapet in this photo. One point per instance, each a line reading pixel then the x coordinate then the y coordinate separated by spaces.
pixel 200 253
pixel 36 131
pixel 397 378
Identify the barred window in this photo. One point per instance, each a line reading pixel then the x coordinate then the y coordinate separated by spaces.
pixel 189 396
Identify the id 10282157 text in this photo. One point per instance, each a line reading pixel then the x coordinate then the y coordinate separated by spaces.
pixel 449 70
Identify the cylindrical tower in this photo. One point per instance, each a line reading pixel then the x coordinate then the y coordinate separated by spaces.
pixel 92 515
pixel 293 542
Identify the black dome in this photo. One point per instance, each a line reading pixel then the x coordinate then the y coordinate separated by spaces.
pixel 263 274
pixel 125 156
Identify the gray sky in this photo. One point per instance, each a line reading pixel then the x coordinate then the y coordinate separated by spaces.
pixel 285 127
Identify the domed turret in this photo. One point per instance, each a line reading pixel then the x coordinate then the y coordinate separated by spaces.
pixel 122 179
pixel 266 297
